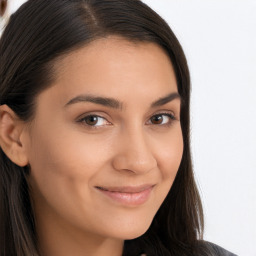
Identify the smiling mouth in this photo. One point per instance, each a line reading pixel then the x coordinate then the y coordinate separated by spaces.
pixel 129 196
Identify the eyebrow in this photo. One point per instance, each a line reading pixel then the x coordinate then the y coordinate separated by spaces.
pixel 115 104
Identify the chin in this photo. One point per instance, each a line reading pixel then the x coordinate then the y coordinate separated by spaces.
pixel 132 231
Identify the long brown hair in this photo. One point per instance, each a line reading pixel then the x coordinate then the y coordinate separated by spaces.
pixel 37 34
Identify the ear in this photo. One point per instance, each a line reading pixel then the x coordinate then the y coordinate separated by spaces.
pixel 11 131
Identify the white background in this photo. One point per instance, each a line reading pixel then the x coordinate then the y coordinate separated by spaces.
pixel 219 40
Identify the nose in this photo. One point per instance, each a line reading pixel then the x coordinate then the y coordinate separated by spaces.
pixel 134 153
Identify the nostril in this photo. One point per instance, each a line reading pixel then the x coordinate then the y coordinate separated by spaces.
pixel 134 163
pixel 3 5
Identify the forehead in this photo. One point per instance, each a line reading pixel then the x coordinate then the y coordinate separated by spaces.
pixel 114 50
pixel 115 67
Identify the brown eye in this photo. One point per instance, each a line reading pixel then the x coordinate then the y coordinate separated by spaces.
pixel 91 120
pixel 162 119
pixel 157 119
pixel 94 121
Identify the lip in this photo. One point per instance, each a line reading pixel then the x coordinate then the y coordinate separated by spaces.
pixel 128 195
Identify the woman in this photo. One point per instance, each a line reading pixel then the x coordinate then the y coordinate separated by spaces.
pixel 94 134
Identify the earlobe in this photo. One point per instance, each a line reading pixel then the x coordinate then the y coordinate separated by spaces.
pixel 11 129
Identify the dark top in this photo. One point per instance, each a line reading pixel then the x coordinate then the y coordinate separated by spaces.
pixel 219 251
pixel 209 249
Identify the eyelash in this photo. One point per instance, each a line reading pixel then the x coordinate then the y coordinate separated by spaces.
pixel 167 114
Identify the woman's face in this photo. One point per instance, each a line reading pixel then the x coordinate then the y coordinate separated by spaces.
pixel 106 141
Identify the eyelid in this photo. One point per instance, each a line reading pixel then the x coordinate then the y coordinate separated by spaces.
pixel 167 112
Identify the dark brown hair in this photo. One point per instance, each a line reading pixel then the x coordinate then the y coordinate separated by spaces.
pixel 37 34
pixel 3 6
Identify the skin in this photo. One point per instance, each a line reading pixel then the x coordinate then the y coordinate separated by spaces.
pixel 69 158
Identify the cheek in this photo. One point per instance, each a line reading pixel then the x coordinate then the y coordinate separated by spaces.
pixel 64 153
pixel 169 154
pixel 64 165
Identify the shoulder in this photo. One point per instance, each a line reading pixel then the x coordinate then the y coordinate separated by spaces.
pixel 211 249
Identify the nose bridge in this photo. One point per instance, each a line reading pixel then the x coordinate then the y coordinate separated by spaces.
pixel 135 153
